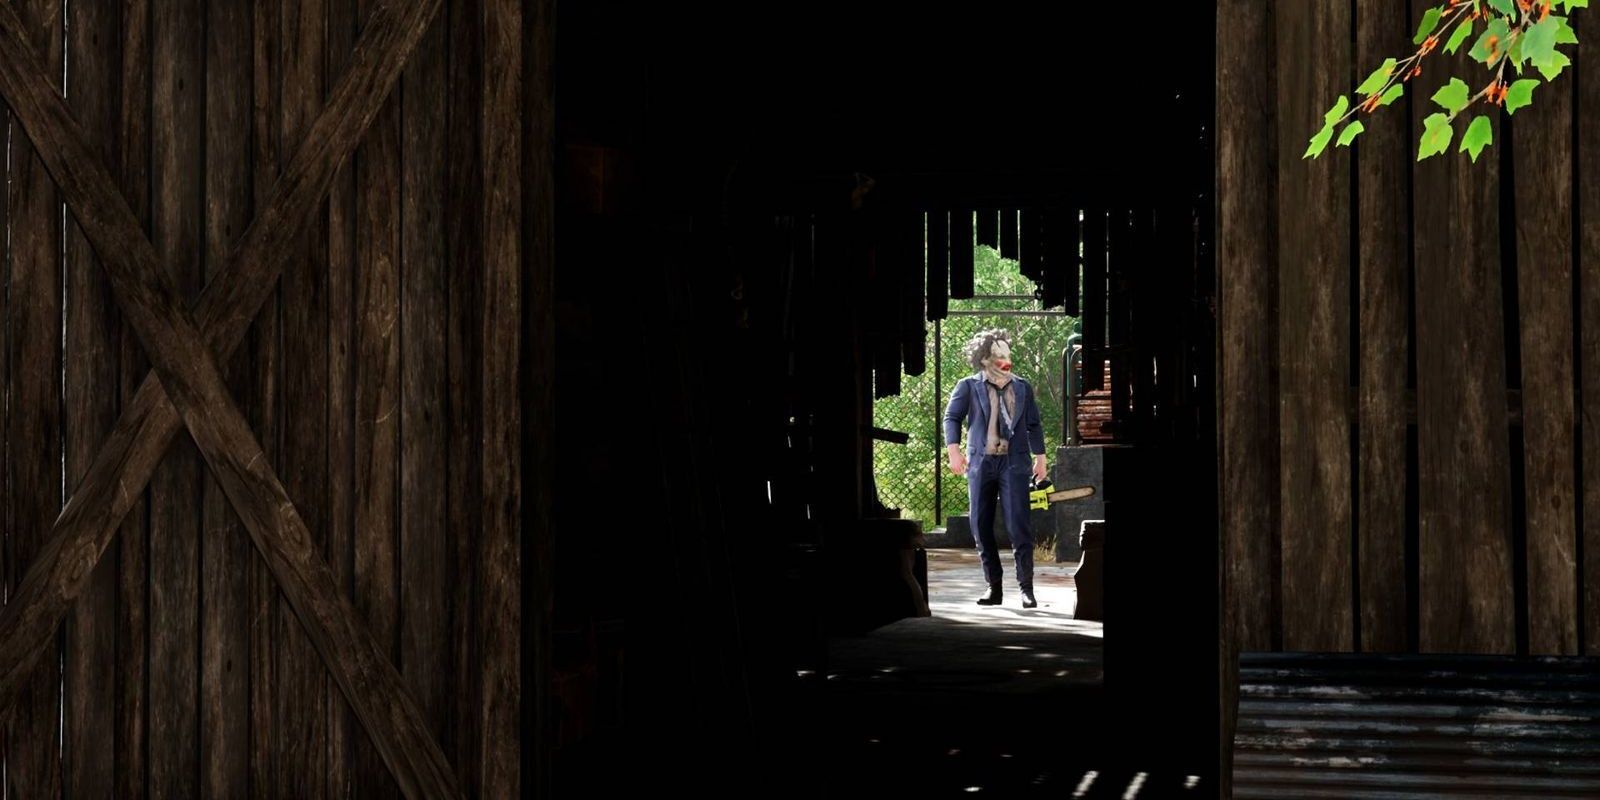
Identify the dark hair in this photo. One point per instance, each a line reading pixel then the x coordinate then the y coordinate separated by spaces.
pixel 982 343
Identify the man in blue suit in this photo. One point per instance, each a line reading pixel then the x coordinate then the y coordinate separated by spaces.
pixel 1002 429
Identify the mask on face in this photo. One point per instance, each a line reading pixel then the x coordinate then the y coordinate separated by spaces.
pixel 997 367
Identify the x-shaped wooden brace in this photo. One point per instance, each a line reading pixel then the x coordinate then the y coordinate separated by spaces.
pixel 187 388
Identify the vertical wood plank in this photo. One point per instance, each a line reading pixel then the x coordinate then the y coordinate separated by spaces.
pixel 267 159
pixel 302 716
pixel 1028 250
pixel 1246 263
pixel 90 386
pixel 1008 233
pixel 427 658
pixel 1587 74
pixel 1383 175
pixel 1121 255
pixel 1463 470
pixel 132 764
pixel 227 555
pixel 1542 149
pixel 377 398
pixel 961 255
pixel 942 234
pixel 500 621
pixel 464 235
pixel 342 314
pixel 1094 299
pixel 1314 332
pixel 175 493
pixel 988 227
pixel 33 766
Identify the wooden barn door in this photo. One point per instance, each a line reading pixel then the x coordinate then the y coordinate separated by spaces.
pixel 264 514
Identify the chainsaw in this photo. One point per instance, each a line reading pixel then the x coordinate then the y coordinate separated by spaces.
pixel 1041 497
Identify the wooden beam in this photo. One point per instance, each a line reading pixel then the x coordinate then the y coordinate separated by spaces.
pixel 1313 40
pixel 136 444
pixel 1587 77
pixel 1384 178
pixel 1542 149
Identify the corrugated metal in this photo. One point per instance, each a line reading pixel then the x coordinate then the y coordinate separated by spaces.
pixel 1361 726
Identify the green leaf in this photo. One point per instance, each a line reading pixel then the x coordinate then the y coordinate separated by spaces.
pixel 1453 95
pixel 1568 5
pixel 1507 7
pixel 1553 65
pixel 1394 92
pixel 1319 142
pixel 1520 94
pixel 1496 30
pixel 1478 136
pixel 1516 56
pixel 1539 41
pixel 1377 79
pixel 1338 110
pixel 1435 136
pixel 1460 35
pixel 1350 132
pixel 1430 20
pixel 1564 32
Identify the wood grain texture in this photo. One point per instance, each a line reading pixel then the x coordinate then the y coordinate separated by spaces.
pixel 301 718
pixel 90 387
pixel 44 593
pixel 33 766
pixel 500 620
pixel 1247 259
pixel 132 550
pixel 1384 253
pixel 1313 333
pixel 227 560
pixel 1542 149
pixel 1587 76
pixel 1463 470
pixel 267 158
pixel 377 398
pixel 426 554
pixel 178 166
pixel 464 243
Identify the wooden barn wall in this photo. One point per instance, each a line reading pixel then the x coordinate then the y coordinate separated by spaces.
pixel 1409 353
pixel 382 378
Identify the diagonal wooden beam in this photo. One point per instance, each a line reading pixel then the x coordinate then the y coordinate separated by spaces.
pixel 224 311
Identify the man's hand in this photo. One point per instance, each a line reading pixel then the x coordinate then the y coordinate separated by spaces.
pixel 1039 468
pixel 958 460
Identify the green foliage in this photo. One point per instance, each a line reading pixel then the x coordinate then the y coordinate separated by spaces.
pixel 905 474
pixel 1517 33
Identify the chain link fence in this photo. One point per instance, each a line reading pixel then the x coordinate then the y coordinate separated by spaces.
pixel 915 477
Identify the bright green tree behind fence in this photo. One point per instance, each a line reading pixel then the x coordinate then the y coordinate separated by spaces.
pixel 907 475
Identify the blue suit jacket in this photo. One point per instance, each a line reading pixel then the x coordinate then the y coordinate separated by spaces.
pixel 970 400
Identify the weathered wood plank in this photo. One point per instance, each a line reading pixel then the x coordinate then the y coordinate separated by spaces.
pixel 1587 75
pixel 1463 469
pixel 1383 175
pixel 227 560
pixel 149 297
pixel 343 727
pixel 33 767
pixel 377 398
pixel 133 546
pixel 463 361
pixel 500 622
pixel 1008 233
pixel 177 29
pixel 988 221
pixel 426 553
pixel 301 717
pixel 1542 148
pixel 124 466
pixel 1313 333
pixel 942 235
pixel 1247 259
pixel 1094 299
pixel 267 156
pixel 961 256
pixel 90 386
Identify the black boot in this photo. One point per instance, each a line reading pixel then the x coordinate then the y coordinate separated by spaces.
pixel 992 598
pixel 1027 597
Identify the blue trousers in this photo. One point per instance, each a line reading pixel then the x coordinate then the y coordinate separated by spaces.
pixel 1004 479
